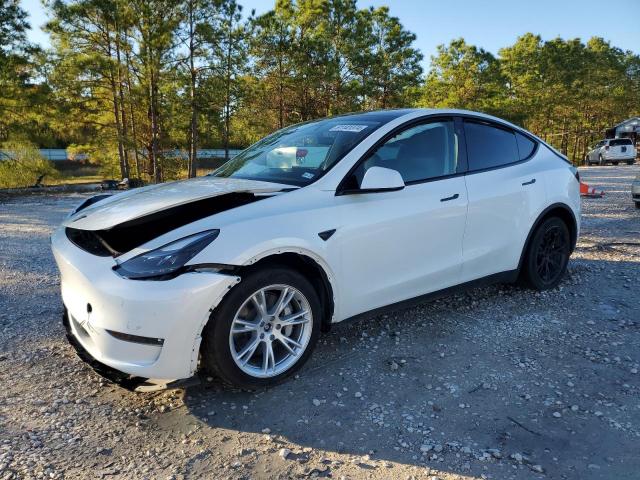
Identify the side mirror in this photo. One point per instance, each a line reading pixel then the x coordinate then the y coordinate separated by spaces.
pixel 380 179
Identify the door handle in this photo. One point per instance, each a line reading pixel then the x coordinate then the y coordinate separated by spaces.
pixel 452 197
pixel 530 182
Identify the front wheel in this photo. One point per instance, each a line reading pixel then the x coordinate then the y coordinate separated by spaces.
pixel 600 160
pixel 614 163
pixel 264 329
pixel 547 255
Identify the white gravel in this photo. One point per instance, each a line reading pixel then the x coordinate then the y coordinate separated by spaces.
pixel 493 383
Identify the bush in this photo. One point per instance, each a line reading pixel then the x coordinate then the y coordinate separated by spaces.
pixel 21 165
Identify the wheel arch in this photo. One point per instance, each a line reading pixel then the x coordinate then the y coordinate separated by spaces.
pixel 308 265
pixel 560 210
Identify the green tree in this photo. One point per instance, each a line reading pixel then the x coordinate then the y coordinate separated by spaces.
pixel 19 95
pixel 388 64
pixel 21 165
pixel 463 76
pixel 87 36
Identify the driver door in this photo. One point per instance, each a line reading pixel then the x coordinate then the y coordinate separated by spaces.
pixel 396 245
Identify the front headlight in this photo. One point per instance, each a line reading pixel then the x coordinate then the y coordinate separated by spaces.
pixel 167 260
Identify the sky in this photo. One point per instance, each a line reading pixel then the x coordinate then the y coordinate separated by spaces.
pixel 489 24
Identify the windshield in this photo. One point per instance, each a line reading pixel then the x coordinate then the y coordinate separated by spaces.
pixel 299 154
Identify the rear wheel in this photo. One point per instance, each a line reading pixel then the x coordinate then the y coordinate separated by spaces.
pixel 263 330
pixel 630 163
pixel 600 160
pixel 547 256
pixel 614 163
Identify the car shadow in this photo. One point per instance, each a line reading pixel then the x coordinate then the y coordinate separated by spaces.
pixel 450 383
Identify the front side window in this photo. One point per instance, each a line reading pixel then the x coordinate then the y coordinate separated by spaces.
pixel 419 153
pixel 489 146
pixel 299 154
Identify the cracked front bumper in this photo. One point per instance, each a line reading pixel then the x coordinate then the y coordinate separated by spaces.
pixel 133 331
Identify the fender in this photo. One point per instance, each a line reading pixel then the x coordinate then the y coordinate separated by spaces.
pixel 324 266
pixel 572 230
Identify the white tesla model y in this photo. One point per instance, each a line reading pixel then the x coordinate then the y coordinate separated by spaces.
pixel 237 273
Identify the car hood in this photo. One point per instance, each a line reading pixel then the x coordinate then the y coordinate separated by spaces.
pixel 137 203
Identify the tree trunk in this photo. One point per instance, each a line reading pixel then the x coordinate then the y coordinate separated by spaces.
pixel 193 127
pixel 153 115
pixel 280 84
pixel 227 98
pixel 154 126
pixel 123 115
pixel 132 116
pixel 116 114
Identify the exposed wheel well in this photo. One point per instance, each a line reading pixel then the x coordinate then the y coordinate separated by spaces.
pixel 564 213
pixel 308 267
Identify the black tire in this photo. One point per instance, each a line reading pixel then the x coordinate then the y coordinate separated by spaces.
pixel 637 204
pixel 600 160
pixel 216 357
pixel 630 163
pixel 614 163
pixel 547 255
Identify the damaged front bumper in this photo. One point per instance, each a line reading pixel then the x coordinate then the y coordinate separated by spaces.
pixel 127 381
pixel 140 334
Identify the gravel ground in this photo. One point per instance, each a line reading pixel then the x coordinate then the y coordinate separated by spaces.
pixel 497 383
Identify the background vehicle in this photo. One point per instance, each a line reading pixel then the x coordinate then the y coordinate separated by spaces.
pixel 635 191
pixel 238 272
pixel 614 151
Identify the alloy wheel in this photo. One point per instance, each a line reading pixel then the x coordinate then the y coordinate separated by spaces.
pixel 551 254
pixel 270 331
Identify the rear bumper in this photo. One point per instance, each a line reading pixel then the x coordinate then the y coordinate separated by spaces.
pixel 613 158
pixel 135 333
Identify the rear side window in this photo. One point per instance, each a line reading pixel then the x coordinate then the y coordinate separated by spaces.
pixel 489 146
pixel 620 141
pixel 526 146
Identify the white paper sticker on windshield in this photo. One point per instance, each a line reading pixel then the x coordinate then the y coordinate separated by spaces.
pixel 348 128
pixel 307 175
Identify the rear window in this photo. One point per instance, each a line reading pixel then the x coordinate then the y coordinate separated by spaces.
pixel 489 146
pixel 620 141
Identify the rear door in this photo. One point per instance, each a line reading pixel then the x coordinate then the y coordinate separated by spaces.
pixel 594 154
pixel 505 192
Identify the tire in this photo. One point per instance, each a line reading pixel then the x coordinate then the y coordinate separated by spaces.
pixel 630 163
pixel 550 241
pixel 221 351
pixel 637 205
pixel 614 163
pixel 600 160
